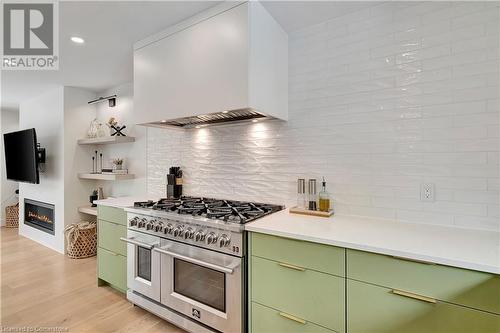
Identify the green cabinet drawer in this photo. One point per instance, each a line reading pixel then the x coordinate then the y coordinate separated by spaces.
pixel 322 258
pixel 108 235
pixel 374 309
pixel 313 296
pixel 477 290
pixel 268 320
pixel 112 268
pixel 112 214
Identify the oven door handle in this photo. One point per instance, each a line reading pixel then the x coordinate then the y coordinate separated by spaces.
pixel 138 243
pixel 228 270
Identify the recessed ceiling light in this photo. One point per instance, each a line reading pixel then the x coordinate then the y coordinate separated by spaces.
pixel 77 40
pixel 254 121
pixel 198 126
pixel 163 121
pixel 225 111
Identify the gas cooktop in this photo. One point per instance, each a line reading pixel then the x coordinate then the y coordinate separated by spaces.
pixel 239 212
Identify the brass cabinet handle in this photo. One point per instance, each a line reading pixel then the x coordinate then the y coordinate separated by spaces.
pixel 297 268
pixel 287 316
pixel 414 296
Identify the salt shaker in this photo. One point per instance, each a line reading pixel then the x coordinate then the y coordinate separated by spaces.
pixel 301 193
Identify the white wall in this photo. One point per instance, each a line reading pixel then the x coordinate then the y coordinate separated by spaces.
pixel 381 101
pixel 77 115
pixel 9 123
pixel 46 114
pixel 134 154
pixel 60 118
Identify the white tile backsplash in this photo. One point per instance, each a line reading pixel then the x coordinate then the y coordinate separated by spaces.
pixel 381 100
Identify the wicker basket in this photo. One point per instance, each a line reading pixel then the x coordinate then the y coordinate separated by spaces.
pixel 12 216
pixel 81 240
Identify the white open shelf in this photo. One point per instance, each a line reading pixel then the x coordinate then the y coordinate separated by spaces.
pixel 88 210
pixel 106 140
pixel 101 176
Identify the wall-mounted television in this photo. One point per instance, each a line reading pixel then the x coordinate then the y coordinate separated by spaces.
pixel 21 156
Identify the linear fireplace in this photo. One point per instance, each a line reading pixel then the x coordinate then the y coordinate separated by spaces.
pixel 39 215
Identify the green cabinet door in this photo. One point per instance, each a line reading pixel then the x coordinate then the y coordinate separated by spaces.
pixel 374 309
pixel 109 237
pixel 318 257
pixel 112 214
pixel 474 289
pixel 268 320
pixel 112 268
pixel 314 296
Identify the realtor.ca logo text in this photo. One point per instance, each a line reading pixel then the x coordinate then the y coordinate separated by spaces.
pixel 30 35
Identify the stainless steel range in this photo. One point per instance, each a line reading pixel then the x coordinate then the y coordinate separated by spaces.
pixel 186 260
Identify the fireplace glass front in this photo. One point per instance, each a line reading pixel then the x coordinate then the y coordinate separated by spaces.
pixel 39 215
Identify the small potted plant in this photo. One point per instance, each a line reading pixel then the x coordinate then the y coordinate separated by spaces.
pixel 93 197
pixel 118 163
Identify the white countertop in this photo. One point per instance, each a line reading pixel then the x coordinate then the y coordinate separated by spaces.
pixel 122 202
pixel 465 248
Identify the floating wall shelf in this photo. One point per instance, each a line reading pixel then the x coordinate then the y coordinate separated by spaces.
pixel 100 176
pixel 88 210
pixel 106 140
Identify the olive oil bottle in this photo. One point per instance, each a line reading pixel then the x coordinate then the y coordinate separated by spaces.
pixel 324 198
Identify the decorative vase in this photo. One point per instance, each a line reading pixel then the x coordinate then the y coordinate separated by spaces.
pixel 118 166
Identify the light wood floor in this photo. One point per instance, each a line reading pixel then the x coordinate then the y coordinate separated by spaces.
pixel 42 288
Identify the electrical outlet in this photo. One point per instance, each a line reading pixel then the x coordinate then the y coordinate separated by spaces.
pixel 428 192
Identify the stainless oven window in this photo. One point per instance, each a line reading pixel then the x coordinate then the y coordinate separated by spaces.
pixel 201 284
pixel 144 263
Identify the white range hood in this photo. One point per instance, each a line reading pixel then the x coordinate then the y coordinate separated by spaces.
pixel 227 64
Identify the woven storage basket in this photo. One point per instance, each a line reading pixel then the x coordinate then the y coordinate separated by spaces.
pixel 81 240
pixel 12 216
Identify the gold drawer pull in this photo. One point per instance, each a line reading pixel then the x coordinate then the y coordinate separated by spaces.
pixel 298 320
pixel 414 296
pixel 297 268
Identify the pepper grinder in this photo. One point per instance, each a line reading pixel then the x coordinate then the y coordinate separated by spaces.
pixel 311 190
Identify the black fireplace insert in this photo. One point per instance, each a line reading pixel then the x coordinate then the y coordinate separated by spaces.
pixel 39 215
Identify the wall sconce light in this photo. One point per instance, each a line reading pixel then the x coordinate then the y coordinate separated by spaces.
pixel 111 100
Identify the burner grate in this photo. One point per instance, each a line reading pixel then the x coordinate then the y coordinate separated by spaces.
pixel 226 210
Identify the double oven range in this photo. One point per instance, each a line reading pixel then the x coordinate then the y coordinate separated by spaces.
pixel 186 260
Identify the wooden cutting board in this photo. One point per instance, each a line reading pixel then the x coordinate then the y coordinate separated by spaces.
pixel 297 210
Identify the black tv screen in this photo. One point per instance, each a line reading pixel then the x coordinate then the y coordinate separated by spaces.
pixel 21 161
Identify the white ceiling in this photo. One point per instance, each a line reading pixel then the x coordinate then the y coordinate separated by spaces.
pixel 110 28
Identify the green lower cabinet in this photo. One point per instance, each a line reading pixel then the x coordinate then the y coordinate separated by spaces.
pixel 268 320
pixel 111 251
pixel 374 309
pixel 312 296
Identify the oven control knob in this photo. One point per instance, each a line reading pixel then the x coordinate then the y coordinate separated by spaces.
pixel 211 238
pixel 189 233
pixel 168 228
pixel 142 223
pixel 199 236
pixel 159 227
pixel 151 225
pixel 224 240
pixel 133 222
pixel 178 231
